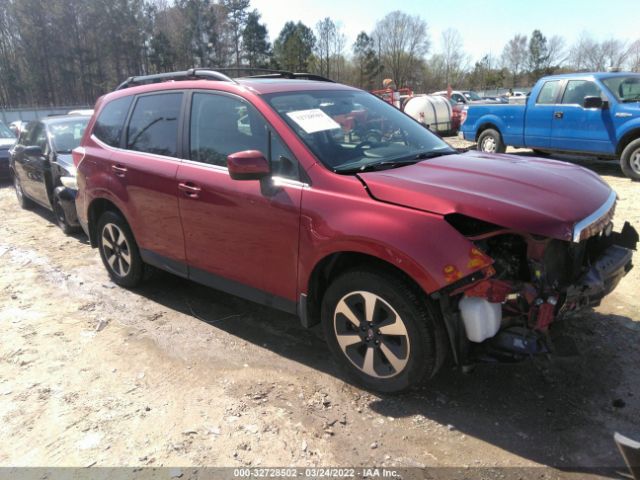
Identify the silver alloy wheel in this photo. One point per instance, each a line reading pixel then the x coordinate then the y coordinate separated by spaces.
pixel 634 161
pixel 371 334
pixel 116 249
pixel 18 188
pixel 489 145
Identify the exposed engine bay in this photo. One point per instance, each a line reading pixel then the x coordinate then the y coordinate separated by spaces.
pixel 531 284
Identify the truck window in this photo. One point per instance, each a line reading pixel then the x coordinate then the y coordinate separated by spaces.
pixel 548 93
pixel 578 89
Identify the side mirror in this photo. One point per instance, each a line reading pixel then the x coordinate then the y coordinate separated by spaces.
pixel 33 151
pixel 248 165
pixel 592 102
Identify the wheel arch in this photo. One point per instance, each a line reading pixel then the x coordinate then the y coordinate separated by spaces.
pixel 486 126
pixel 331 266
pixel 96 208
pixel 627 138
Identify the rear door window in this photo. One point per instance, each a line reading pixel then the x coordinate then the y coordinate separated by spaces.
pixel 548 93
pixel 111 120
pixel 153 127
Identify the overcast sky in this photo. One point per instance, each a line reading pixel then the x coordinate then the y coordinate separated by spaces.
pixel 485 26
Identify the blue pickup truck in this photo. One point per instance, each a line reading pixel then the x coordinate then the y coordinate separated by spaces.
pixel 588 113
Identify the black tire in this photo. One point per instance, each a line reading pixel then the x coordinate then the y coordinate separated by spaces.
pixel 630 160
pixel 491 137
pixel 120 254
pixel 23 201
pixel 421 349
pixel 61 218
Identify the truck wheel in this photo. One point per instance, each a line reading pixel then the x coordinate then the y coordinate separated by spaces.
pixel 381 330
pixel 119 251
pixel 630 160
pixel 490 141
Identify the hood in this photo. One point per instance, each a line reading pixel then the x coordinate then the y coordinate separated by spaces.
pixel 533 195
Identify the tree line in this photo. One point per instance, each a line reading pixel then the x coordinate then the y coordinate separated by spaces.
pixel 69 52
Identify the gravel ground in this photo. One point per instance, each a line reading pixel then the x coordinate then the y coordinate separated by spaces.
pixel 175 374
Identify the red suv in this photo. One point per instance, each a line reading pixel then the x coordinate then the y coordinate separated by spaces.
pixel 322 200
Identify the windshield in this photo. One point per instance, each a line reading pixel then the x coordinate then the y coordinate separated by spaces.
pixel 5 132
pixel 350 131
pixel 471 95
pixel 66 134
pixel 626 89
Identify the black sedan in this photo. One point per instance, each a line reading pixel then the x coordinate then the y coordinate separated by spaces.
pixel 42 167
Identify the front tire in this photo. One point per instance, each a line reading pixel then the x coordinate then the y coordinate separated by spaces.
pixel 23 201
pixel 381 330
pixel 490 141
pixel 61 217
pixel 630 160
pixel 119 251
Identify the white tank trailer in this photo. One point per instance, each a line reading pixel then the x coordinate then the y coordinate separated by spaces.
pixel 433 111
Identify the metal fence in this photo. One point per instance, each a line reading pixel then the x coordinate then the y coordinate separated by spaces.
pixel 26 114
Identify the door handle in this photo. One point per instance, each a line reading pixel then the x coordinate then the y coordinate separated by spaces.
pixel 119 170
pixel 558 114
pixel 190 189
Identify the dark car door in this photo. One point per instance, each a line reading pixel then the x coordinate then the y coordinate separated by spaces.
pixel 32 166
pixel 240 236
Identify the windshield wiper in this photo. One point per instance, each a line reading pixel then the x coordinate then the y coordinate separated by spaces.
pixel 632 99
pixel 395 162
pixel 428 155
pixel 371 167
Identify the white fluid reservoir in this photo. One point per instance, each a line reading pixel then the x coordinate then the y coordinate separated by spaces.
pixel 481 318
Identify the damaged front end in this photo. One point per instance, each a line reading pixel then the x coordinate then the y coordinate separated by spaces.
pixel 532 283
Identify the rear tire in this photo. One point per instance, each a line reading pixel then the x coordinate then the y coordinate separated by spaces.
pixel 23 201
pixel 119 250
pixel 630 160
pixel 381 330
pixel 490 141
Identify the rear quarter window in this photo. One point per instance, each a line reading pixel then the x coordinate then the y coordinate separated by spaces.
pixel 110 122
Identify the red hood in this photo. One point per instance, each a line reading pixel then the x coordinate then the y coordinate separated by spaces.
pixel 532 195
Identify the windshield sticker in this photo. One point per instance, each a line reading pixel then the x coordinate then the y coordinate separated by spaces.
pixel 314 120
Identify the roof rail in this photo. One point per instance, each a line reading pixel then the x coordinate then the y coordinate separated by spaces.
pixel 270 73
pixel 191 74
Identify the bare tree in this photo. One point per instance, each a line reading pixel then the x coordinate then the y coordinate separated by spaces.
pixel 455 59
pixel 556 52
pixel 326 34
pixel 589 54
pixel 514 56
pixel 614 53
pixel 403 41
pixel 634 56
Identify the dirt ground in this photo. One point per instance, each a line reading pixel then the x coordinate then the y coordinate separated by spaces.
pixel 175 374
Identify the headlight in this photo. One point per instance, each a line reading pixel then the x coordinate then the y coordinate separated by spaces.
pixel 69 182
